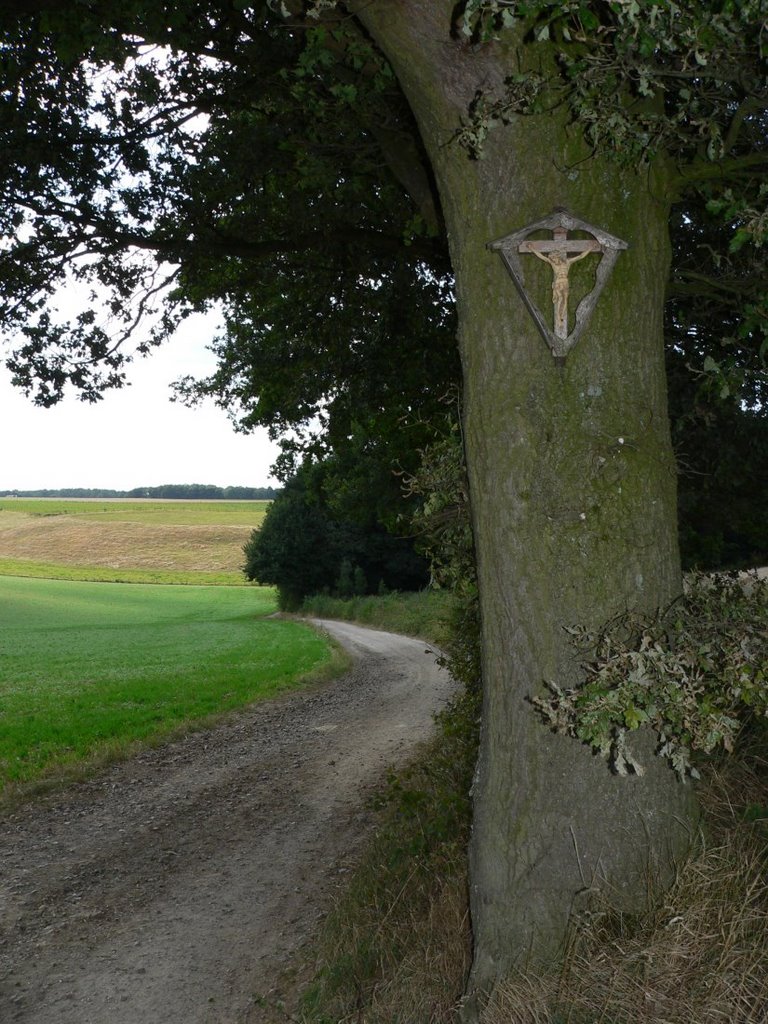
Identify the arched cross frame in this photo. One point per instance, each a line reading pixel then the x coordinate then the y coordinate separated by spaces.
pixel 560 252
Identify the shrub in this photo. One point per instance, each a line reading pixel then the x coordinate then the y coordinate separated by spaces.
pixel 444 528
pixel 296 549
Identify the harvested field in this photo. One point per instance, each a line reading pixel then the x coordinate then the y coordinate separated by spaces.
pixel 71 541
pixel 204 538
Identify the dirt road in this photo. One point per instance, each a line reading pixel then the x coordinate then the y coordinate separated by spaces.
pixel 173 888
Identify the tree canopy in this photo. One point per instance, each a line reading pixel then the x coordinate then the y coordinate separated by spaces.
pixel 169 156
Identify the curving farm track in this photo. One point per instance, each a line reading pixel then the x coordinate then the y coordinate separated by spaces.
pixel 174 888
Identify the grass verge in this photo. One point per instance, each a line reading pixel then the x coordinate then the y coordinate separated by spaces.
pixel 89 670
pixel 396 948
pixel 107 574
pixel 420 614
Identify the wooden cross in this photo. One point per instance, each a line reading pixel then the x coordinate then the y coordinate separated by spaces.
pixel 560 252
pixel 557 253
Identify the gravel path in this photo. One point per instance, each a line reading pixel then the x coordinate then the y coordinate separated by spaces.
pixel 174 888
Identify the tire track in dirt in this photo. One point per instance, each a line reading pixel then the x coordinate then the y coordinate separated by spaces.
pixel 175 887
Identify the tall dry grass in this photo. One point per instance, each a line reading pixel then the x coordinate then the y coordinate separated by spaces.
pixel 699 956
pixel 397 948
pixel 405 961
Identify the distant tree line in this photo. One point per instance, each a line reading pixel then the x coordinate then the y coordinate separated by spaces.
pixel 180 491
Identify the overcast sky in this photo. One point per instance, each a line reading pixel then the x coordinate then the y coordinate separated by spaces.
pixel 134 437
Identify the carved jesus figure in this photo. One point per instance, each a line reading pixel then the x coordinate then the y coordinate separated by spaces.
pixel 560 262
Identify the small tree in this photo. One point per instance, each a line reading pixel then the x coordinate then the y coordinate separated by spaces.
pixel 359 582
pixel 296 549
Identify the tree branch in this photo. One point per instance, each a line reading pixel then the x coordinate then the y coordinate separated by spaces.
pixel 736 290
pixel 751 105
pixel 707 170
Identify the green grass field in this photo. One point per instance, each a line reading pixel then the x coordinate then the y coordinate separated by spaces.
pixel 89 669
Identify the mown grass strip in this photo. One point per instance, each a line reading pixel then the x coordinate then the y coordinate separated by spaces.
pixel 169 513
pixel 87 670
pixel 107 574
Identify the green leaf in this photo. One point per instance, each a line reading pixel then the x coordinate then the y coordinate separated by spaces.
pixel 588 18
pixel 740 239
pixel 634 717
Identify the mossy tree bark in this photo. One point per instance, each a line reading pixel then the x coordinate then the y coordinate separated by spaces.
pixel 573 489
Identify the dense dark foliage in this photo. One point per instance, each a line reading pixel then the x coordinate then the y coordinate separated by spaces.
pixel 306 545
pixel 722 453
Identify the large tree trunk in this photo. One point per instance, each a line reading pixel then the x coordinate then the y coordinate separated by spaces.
pixel 573 492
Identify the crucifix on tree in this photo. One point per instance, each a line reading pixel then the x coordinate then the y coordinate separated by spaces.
pixel 560 252
pixel 557 253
